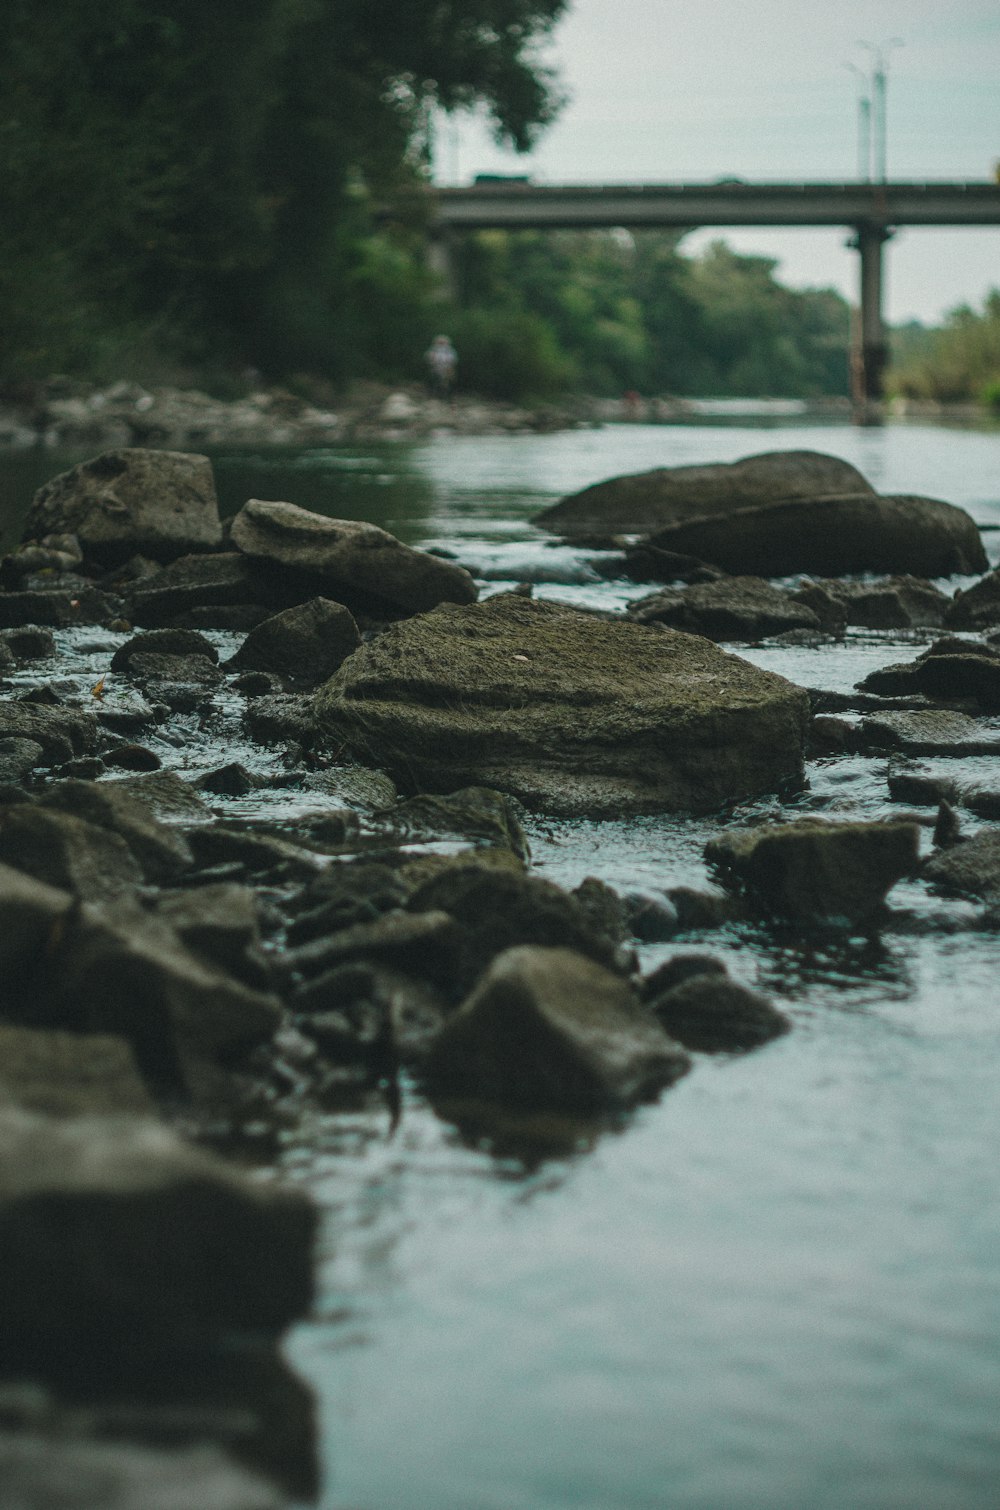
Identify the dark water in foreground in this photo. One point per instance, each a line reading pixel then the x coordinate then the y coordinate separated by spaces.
pixel 778 1288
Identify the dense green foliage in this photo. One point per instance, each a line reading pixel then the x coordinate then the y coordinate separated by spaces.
pixel 198 178
pixel 611 312
pixel 960 360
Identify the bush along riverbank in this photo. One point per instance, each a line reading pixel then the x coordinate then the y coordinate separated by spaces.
pixel 264 793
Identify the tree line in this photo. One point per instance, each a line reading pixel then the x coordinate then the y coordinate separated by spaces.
pixel 191 190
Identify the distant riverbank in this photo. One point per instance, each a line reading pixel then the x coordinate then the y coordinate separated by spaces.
pixel 66 415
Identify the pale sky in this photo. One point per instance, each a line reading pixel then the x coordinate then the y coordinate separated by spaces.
pixel 757 89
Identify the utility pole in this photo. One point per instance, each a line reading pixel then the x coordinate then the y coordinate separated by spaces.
pixel 864 124
pixel 879 80
pixel 869 349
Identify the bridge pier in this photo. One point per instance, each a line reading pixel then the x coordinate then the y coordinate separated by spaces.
pixel 441 261
pixel 869 349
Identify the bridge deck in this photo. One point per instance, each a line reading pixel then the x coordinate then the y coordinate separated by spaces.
pixel 518 205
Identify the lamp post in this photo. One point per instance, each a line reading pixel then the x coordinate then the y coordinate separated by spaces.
pixel 879 77
pixel 864 123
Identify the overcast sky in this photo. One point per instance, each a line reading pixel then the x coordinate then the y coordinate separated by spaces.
pixel 757 89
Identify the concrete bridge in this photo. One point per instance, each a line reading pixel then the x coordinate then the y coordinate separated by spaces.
pixel 873 212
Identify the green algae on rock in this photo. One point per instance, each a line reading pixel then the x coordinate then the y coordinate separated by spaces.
pixel 569 712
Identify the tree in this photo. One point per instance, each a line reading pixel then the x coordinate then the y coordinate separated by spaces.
pixel 209 173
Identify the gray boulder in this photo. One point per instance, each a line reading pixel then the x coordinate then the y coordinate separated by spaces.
pixel 66 851
pixel 115 808
pixel 568 712
pixel 730 608
pixel 213 586
pixel 59 607
pixel 978 607
pixel 358 564
pixel 817 872
pixel 892 603
pixel 972 868
pixel 500 909
pixel 128 973
pixel 18 757
pixel 928 731
pixel 833 536
pixel 159 503
pixel 61 732
pixel 646 501
pixel 70 1074
pixel 949 671
pixel 305 644
pixel 111 1227
pixel 548 1028
pixel 173 642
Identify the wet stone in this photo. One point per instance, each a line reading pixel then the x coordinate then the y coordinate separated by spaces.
pixel 133 1207
pixel 930 732
pixel 70 1074
pixel 970 869
pixel 29 644
pixel 304 644
pixel 18 757
pixel 59 1472
pixel 162 852
pixel 712 1014
pixel 170 642
pixel 549 1028
pixel 815 871
pixel 65 851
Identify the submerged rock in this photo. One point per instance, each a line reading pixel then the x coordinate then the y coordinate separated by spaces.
pixel 644 501
pixel 569 713
pixel 817 872
pixel 358 564
pixel 549 1028
pixel 159 503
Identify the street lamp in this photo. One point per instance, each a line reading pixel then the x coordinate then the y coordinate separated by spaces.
pixel 864 123
pixel 880 69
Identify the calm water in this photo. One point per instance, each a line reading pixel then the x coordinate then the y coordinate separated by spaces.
pixel 777 1289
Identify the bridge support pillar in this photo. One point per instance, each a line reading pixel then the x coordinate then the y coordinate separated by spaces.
pixel 440 262
pixel 868 344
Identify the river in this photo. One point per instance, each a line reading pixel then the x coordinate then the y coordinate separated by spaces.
pixel 779 1287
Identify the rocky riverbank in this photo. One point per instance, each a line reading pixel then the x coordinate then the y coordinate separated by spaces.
pixel 65 415
pixel 264 793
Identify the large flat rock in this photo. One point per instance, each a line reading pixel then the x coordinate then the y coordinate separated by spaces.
pixel 645 501
pixel 570 713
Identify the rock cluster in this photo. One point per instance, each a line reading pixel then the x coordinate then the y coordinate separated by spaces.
pixel 185 973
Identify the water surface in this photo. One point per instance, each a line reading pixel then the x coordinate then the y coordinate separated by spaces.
pixel 776 1289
